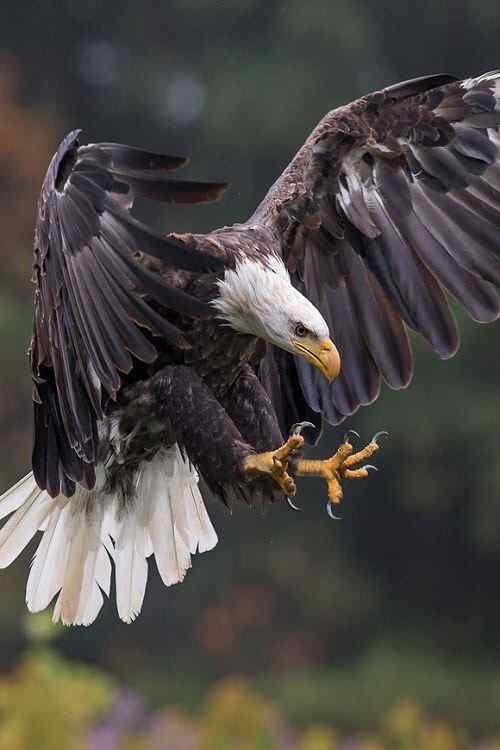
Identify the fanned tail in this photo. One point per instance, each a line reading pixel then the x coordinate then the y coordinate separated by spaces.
pixel 166 518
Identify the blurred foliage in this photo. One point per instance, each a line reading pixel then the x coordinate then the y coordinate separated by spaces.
pixel 394 612
pixel 235 717
pixel 51 703
pixel 358 693
pixel 47 703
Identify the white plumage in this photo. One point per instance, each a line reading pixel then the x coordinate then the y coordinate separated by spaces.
pixel 81 535
pixel 259 299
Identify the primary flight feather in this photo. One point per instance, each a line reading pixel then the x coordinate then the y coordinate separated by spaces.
pixel 159 359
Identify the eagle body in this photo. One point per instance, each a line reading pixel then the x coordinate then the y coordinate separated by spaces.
pixel 219 361
pixel 165 366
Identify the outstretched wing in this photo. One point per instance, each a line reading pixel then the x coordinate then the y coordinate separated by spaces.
pixel 392 200
pixel 90 311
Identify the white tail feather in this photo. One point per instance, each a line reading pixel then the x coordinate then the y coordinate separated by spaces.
pixel 49 563
pixel 17 495
pixel 172 560
pixel 23 525
pixel 166 518
pixel 131 568
pixel 87 567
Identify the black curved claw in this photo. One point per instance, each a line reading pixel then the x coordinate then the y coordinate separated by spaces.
pixel 331 513
pixel 368 467
pixel 292 506
pixel 351 432
pixel 299 426
pixel 379 435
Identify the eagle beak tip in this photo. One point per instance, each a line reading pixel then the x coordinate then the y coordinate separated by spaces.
pixel 330 360
pixel 322 354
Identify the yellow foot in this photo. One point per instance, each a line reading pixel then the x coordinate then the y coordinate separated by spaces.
pixel 275 463
pixel 342 465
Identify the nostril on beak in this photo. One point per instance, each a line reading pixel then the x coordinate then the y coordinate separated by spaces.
pixel 326 345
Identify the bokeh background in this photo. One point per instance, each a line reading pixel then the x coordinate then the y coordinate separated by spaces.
pixel 379 631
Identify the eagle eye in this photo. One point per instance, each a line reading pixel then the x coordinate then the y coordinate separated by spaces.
pixel 300 330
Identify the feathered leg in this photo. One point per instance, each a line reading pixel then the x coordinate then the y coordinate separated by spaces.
pixel 225 457
pixel 200 424
pixel 253 412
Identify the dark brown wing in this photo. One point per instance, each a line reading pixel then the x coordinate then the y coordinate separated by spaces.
pixel 90 313
pixel 391 200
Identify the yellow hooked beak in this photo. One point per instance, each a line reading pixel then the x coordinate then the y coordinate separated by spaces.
pixel 322 354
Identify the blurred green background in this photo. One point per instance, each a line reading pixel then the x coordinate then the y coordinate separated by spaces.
pixel 379 631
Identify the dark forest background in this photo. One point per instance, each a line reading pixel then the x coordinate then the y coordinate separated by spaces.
pixel 295 631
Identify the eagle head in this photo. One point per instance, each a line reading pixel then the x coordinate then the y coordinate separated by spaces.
pixel 258 298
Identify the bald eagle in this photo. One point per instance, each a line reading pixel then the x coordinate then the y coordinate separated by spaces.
pixel 158 361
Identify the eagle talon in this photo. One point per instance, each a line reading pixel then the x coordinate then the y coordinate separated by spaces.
pixel 344 464
pixel 351 432
pixel 299 426
pixel 275 463
pixel 292 505
pixel 331 513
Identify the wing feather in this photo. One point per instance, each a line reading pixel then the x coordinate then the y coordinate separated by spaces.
pixel 92 316
pixel 392 201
